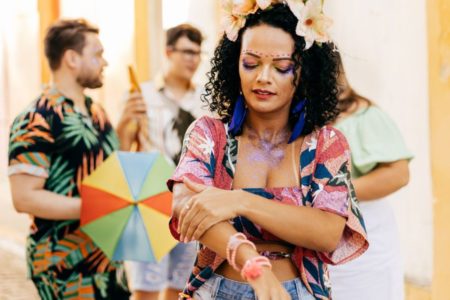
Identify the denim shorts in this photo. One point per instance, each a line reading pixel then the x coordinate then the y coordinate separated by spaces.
pixel 221 288
pixel 171 272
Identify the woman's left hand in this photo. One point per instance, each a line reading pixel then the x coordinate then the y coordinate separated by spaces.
pixel 206 208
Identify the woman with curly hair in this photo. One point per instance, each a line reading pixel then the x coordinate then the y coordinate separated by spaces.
pixel 265 187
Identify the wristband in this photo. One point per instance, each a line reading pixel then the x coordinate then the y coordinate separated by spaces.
pixel 253 267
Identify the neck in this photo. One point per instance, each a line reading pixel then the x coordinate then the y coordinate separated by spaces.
pixel 268 126
pixel 69 87
pixel 176 83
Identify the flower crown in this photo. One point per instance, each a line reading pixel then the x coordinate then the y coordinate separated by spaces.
pixel 312 23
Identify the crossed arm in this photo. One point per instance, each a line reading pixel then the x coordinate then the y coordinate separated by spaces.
pixel 209 207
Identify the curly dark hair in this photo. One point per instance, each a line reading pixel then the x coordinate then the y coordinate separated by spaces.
pixel 318 75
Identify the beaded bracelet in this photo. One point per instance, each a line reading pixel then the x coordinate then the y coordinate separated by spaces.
pixel 253 267
pixel 234 243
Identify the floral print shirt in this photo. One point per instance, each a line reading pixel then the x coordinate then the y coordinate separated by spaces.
pixel 52 140
pixel 209 157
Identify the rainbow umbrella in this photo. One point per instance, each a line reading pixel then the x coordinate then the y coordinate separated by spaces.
pixel 126 206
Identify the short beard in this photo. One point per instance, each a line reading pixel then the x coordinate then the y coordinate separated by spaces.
pixel 89 82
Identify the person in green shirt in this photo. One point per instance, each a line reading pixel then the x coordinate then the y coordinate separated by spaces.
pixel 380 161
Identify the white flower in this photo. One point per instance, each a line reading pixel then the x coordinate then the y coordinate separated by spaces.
pixel 263 4
pixel 207 145
pixel 235 12
pixel 234 16
pixel 326 280
pixel 296 7
pixel 313 24
pixel 312 145
pixel 318 191
pixel 332 134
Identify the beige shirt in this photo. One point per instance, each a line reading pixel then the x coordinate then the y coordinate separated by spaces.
pixel 169 118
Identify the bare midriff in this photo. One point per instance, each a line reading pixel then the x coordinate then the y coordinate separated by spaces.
pixel 284 268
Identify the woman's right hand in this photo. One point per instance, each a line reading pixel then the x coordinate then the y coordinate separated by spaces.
pixel 267 287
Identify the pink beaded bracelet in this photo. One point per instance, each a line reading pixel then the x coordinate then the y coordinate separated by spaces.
pixel 234 243
pixel 253 267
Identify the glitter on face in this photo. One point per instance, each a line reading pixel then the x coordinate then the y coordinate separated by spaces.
pixel 271 54
pixel 95 61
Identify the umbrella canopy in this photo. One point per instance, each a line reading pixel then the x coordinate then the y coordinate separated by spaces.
pixel 126 206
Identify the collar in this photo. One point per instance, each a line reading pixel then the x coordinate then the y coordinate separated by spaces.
pixel 160 83
pixel 55 97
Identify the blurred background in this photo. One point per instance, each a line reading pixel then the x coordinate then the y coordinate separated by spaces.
pixel 396 53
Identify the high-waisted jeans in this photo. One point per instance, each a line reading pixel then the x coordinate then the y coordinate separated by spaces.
pixel 220 288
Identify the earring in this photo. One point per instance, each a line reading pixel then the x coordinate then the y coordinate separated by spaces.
pixel 299 110
pixel 238 118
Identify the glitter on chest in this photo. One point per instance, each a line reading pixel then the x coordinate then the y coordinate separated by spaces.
pixel 262 150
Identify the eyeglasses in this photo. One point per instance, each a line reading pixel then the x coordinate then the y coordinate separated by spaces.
pixel 188 52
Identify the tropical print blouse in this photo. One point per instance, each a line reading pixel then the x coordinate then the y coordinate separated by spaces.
pixel 209 157
pixel 52 140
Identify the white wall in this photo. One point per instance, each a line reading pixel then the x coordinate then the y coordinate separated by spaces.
pixel 383 44
pixel 202 14
pixel 19 65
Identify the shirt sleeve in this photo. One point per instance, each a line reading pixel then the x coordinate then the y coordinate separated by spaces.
pixel 197 162
pixel 378 140
pixel 198 156
pixel 333 192
pixel 30 145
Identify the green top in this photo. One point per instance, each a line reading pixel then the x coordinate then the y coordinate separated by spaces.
pixel 373 138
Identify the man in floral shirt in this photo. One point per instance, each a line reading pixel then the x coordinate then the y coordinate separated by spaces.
pixel 55 143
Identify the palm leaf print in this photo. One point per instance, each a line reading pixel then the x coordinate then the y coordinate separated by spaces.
pixel 343 178
pixel 27 129
pixel 110 143
pixel 60 179
pixel 230 158
pixel 76 130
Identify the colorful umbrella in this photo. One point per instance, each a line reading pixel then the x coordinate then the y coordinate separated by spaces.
pixel 126 206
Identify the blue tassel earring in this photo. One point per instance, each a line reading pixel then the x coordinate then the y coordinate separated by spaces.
pixel 299 110
pixel 238 118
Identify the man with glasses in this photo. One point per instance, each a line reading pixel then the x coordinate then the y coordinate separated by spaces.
pixel 171 103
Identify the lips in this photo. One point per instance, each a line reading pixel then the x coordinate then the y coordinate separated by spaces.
pixel 263 94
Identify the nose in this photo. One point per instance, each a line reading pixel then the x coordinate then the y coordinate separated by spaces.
pixel 264 75
pixel 105 62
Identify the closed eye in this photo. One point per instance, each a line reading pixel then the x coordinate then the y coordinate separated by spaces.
pixel 285 70
pixel 249 66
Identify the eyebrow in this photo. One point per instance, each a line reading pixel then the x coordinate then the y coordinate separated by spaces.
pixel 275 59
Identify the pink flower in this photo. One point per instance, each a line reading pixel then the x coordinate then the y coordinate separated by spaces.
pixel 244 7
pixel 313 24
pixel 231 21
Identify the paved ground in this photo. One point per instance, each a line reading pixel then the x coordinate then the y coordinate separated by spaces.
pixel 13 229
